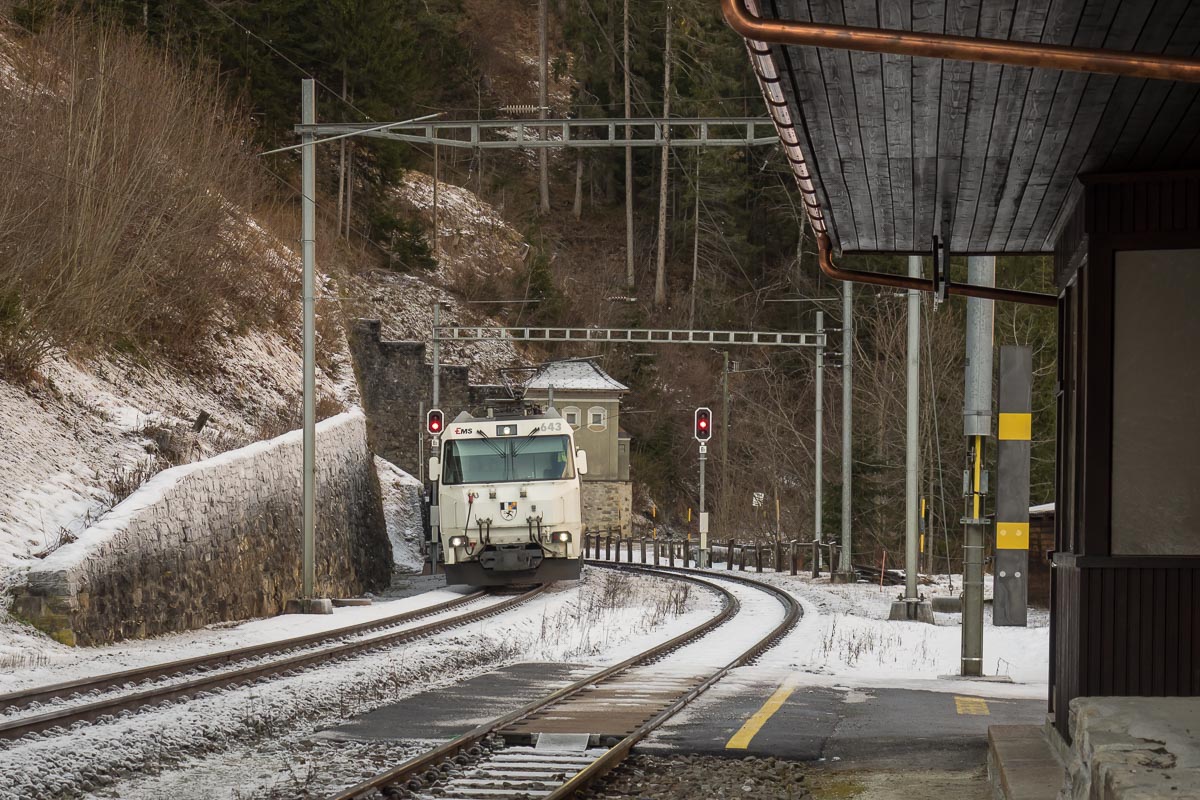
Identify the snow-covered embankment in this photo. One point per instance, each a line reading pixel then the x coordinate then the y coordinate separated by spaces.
pixel 216 540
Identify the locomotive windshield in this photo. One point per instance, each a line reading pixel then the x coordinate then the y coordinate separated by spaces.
pixel 529 458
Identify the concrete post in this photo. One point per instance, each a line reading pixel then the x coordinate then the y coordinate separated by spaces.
pixel 844 567
pixel 911 607
pixel 819 432
pixel 308 115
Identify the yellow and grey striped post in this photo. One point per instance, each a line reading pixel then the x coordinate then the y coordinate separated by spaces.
pixel 1012 487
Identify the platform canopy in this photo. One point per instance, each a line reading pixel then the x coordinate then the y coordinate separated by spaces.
pixel 903 148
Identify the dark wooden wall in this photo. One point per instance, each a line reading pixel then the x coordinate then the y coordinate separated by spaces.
pixel 1121 625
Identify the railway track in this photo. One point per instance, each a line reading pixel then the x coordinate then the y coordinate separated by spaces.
pixel 77 700
pixel 556 746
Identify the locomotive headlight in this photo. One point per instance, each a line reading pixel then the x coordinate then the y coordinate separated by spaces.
pixel 560 536
pixel 458 541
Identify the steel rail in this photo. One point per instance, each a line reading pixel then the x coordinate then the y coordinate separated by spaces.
pixel 1124 63
pixel 67 689
pixel 418 764
pixel 88 712
pixel 426 762
pixel 620 751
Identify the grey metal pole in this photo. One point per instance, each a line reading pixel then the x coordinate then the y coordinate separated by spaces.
pixel 977 423
pixel 436 366
pixel 819 433
pixel 847 421
pixel 911 549
pixel 703 521
pixel 308 115
pixel 726 479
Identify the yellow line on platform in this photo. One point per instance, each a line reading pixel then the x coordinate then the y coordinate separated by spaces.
pixel 972 706
pixel 741 739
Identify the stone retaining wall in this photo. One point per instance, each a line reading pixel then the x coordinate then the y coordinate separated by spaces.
pixel 607 504
pixel 217 540
pixel 394 379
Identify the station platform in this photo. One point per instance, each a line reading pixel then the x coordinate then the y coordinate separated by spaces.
pixel 760 712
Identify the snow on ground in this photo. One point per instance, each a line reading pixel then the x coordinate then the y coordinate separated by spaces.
pixel 402 513
pixel 65 441
pixel 474 240
pixel 615 611
pixel 845 633
pixel 845 637
pixel 57 662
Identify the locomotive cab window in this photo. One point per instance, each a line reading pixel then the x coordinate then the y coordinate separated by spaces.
pixel 537 458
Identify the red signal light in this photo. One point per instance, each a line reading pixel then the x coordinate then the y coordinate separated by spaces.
pixel 434 421
pixel 703 427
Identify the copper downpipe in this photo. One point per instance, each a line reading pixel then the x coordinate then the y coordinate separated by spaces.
pixel 960 48
pixel 825 260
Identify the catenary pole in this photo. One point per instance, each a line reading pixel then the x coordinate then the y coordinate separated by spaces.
pixel 726 478
pixel 912 425
pixel 819 433
pixel 977 424
pixel 308 115
pixel 847 422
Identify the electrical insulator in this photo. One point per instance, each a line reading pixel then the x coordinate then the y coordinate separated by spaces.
pixel 703 426
pixel 434 422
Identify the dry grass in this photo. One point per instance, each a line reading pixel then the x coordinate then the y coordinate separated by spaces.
pixel 121 221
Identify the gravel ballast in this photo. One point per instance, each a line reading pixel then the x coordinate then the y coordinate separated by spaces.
pixel 644 777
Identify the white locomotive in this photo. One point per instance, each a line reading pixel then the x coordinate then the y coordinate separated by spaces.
pixel 508 500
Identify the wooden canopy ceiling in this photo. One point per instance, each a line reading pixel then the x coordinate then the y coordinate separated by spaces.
pixel 903 148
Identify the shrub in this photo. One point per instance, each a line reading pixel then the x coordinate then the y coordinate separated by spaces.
pixel 120 210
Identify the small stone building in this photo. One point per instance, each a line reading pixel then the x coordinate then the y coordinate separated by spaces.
pixel 395 383
pixel 590 401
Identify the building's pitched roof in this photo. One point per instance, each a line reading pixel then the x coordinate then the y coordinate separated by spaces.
pixel 575 375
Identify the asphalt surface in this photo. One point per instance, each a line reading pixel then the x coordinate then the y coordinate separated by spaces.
pixel 879 728
pixel 441 714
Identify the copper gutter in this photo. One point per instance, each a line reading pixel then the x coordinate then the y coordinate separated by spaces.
pixel 960 48
pixel 754 30
pixel 825 260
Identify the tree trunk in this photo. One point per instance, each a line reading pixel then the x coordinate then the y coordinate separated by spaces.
pixel 349 186
pixel 543 165
pixel 695 248
pixel 436 181
pixel 629 278
pixel 578 187
pixel 341 201
pixel 660 272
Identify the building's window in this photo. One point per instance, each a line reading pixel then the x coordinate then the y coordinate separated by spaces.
pixel 571 415
pixel 597 418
